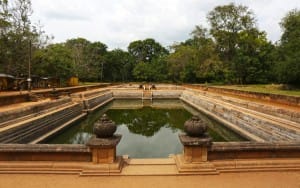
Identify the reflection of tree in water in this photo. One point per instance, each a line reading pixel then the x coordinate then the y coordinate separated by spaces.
pixel 147 121
pixel 80 138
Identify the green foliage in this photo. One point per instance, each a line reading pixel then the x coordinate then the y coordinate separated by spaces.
pixel 181 63
pixel 288 65
pixel 87 58
pixel 195 60
pixel 118 66
pixel 226 23
pixel 150 60
pixel 240 45
pixel 146 50
pixel 54 61
pixel 234 50
pixel 17 35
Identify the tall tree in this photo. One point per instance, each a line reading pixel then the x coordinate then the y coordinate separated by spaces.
pixel 226 23
pixel 118 66
pixel 195 60
pixel 238 41
pixel 146 50
pixel 149 57
pixel 53 61
pixel 87 58
pixel 17 35
pixel 288 66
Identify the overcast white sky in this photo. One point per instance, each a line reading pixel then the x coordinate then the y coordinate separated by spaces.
pixel 119 22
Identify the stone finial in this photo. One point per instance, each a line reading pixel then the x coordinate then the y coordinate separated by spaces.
pixel 104 127
pixel 195 127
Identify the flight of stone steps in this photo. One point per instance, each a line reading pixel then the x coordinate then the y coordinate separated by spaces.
pixel 26 129
pixel 261 122
pixel 147 95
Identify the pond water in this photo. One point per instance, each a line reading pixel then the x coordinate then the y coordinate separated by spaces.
pixel 149 130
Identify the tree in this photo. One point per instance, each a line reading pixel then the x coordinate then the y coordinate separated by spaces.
pixel 251 63
pixel 87 58
pixel 118 66
pixel 17 33
pixel 146 50
pixel 288 65
pixel 54 61
pixel 226 22
pixel 181 63
pixel 150 60
pixel 95 57
pixel 239 42
pixel 195 60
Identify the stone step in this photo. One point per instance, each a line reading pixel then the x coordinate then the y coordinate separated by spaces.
pixel 36 126
pixel 285 115
pixel 275 124
pixel 26 114
pixel 36 132
pixel 270 127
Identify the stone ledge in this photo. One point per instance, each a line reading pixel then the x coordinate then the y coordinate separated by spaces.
pixel 206 168
pixel 55 148
pixel 95 142
pixel 246 146
pixel 195 141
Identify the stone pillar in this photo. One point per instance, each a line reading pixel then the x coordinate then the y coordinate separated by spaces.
pixel 104 149
pixel 195 149
pixel 196 143
pixel 103 144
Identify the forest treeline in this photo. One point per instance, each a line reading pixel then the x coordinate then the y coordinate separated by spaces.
pixel 232 50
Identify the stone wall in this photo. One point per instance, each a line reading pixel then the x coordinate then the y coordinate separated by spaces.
pixel 166 94
pixel 13 99
pixel 127 94
pixel 217 152
pixel 253 150
pixel 45 152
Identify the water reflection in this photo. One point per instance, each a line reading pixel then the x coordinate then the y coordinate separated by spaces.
pixel 147 121
pixel 147 131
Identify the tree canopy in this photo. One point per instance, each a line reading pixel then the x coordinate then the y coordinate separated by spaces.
pixel 288 65
pixel 232 50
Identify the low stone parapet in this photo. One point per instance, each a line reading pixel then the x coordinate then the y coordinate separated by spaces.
pixel 253 150
pixel 44 152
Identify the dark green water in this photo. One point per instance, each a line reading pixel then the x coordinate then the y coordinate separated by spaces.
pixel 147 132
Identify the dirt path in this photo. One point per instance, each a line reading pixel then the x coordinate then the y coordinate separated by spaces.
pixel 244 180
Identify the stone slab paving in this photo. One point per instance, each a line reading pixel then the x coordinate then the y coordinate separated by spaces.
pixel 230 180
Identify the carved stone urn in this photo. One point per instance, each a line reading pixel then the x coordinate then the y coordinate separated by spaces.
pixel 195 127
pixel 104 127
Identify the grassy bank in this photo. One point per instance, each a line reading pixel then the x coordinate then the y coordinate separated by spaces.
pixel 267 88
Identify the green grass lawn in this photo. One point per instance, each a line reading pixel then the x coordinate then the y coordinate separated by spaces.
pixel 266 88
